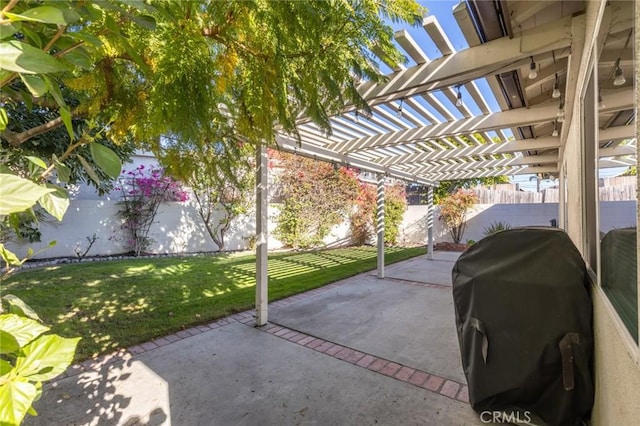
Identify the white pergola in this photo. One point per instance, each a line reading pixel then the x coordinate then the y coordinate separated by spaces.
pixel 430 120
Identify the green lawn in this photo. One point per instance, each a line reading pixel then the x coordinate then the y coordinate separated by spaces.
pixel 122 303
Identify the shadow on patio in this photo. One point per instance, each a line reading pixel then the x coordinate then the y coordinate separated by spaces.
pixel 360 351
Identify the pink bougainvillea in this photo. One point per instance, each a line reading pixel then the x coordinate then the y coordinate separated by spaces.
pixel 143 190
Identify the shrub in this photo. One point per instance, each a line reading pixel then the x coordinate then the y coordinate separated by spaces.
pixel 363 219
pixel 142 193
pixel 496 227
pixel 315 197
pixel 453 211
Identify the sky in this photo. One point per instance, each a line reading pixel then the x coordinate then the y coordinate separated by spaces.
pixel 442 10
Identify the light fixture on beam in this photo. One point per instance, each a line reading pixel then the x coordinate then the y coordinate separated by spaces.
pixel 556 89
pixel 399 113
pixel 459 97
pixel 560 114
pixel 618 76
pixel 555 129
pixel 533 72
pixel 356 116
pixel 601 104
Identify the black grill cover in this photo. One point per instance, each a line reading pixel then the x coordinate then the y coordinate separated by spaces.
pixel 523 316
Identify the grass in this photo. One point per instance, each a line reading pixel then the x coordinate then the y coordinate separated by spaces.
pixel 118 304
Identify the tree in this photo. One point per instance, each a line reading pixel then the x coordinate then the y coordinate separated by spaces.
pixel 453 211
pixel 200 71
pixel 315 196
pixel 447 187
pixel 56 141
pixel 227 68
pixel 222 180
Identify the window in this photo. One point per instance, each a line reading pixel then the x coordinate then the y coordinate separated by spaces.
pixel 617 191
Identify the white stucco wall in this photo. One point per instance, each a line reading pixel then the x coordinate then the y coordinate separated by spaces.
pixel 179 229
pixel 614 214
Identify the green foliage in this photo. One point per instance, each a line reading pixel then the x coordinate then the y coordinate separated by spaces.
pixel 395 204
pixel 453 211
pixel 448 187
pixel 29 357
pixel 315 197
pixel 496 227
pixel 221 176
pixel 56 141
pixel 631 171
pixel 363 219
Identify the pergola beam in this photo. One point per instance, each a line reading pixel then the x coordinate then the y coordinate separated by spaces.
pixel 481 123
pixel 544 143
pixel 497 56
pixel 513 118
pixel 312 151
pixel 533 164
pixel 430 168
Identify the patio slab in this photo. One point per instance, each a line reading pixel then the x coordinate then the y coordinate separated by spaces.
pixel 404 321
pixel 420 269
pixel 230 373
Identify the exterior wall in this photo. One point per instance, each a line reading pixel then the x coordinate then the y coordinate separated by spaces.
pixel 618 214
pixel 178 228
pixel 617 374
pixel 574 199
pixel 616 358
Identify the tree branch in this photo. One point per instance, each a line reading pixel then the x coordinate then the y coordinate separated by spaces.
pixel 17 139
pixel 8 7
pixel 55 38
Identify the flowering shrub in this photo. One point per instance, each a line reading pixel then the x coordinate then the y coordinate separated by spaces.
pixel 143 190
pixel 453 211
pixel 315 197
pixel 364 217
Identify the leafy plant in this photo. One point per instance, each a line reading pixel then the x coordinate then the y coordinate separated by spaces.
pixel 471 242
pixel 142 193
pixel 222 178
pixel 453 211
pixel 315 197
pixel 363 219
pixel 28 356
pixel 496 227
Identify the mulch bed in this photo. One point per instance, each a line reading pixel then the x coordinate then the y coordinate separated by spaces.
pixel 450 246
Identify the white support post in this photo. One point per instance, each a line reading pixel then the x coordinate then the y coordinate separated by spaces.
pixel 380 224
pixel 262 280
pixel 430 222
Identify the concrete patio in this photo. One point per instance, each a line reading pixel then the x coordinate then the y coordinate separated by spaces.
pixel 360 351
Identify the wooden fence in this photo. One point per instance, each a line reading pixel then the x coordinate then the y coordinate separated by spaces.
pixel 627 191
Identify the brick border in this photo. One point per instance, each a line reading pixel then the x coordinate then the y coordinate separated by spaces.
pixel 245 317
pixel 432 382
